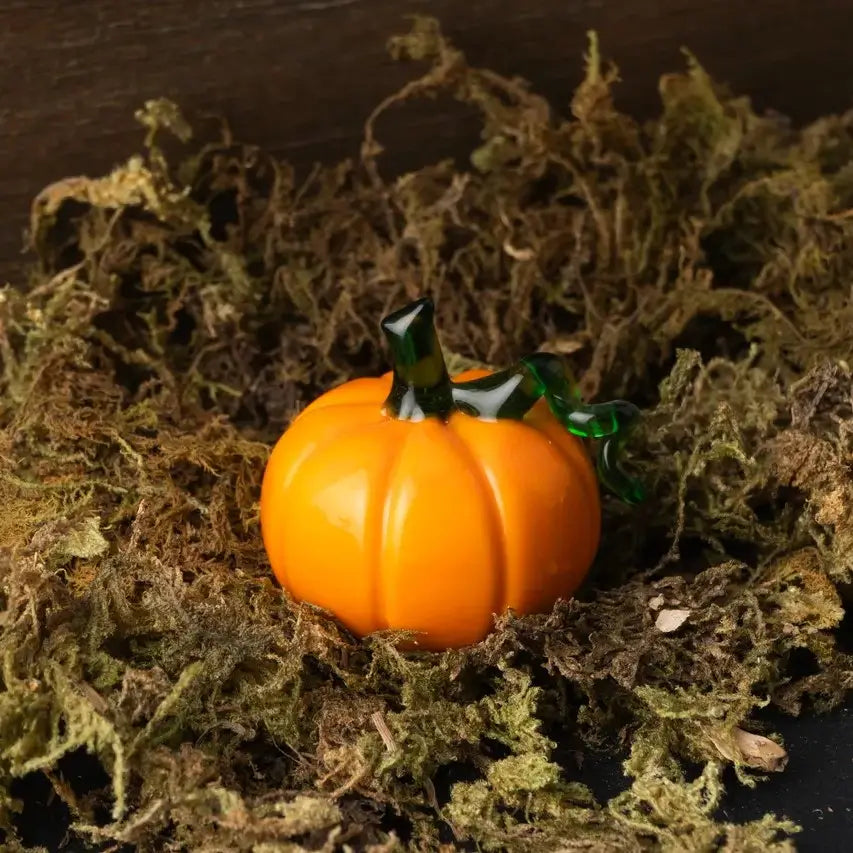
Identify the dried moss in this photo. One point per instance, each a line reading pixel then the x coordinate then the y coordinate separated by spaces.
pixel 176 317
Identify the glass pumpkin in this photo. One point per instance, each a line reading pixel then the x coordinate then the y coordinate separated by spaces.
pixel 413 501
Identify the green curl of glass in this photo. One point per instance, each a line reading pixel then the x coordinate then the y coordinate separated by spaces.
pixel 422 388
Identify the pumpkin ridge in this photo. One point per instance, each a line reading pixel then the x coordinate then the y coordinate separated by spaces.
pixel 335 435
pixel 378 521
pixel 573 463
pixel 295 467
pixel 487 489
pixel 580 470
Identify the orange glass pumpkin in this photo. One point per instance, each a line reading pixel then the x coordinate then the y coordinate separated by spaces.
pixel 393 515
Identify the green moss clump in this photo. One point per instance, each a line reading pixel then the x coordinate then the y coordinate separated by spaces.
pixel 176 317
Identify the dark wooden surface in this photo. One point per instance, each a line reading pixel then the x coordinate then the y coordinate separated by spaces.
pixel 299 76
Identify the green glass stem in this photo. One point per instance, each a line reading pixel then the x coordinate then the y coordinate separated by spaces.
pixel 510 393
pixel 610 471
pixel 422 388
pixel 421 385
pixel 513 392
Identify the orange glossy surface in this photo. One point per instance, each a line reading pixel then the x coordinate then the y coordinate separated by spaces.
pixel 428 526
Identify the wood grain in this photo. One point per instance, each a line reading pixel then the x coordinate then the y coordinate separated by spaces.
pixel 299 76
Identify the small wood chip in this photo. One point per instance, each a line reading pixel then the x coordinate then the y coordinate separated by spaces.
pixel 384 732
pixel 761 752
pixel 566 346
pixel 670 620
pixel 657 602
pixel 518 254
pixel 750 749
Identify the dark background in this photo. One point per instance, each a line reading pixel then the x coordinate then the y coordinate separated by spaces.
pixel 299 77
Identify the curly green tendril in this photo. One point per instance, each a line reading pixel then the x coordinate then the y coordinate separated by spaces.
pixel 423 388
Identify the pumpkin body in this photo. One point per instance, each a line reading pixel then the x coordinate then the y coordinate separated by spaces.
pixel 432 526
